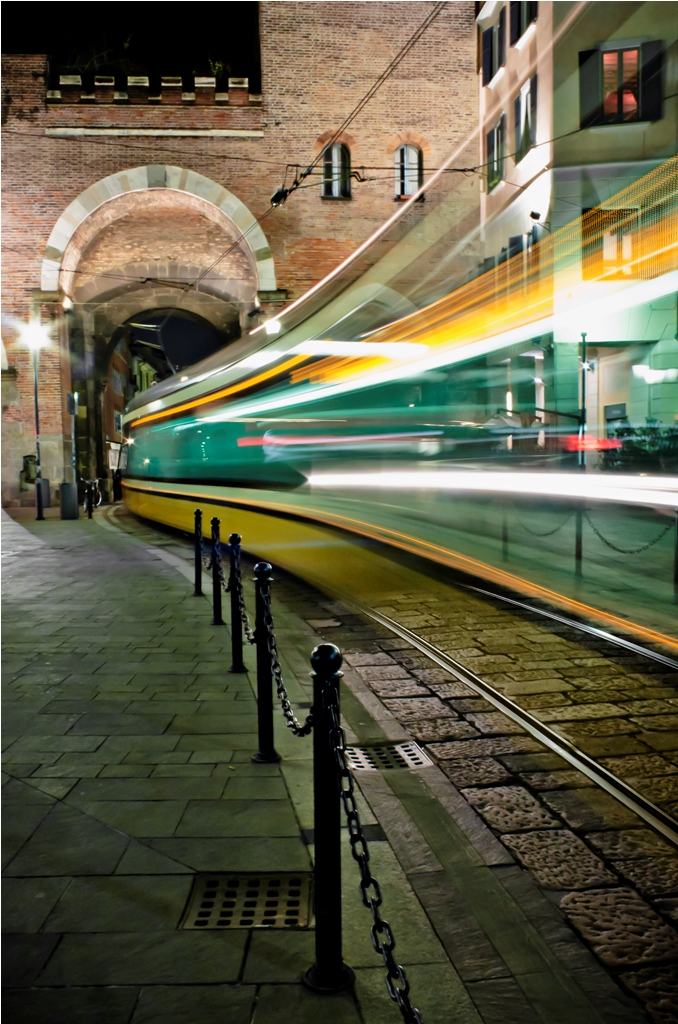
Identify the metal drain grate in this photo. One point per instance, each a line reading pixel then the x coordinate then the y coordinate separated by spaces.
pixel 250 901
pixel 374 759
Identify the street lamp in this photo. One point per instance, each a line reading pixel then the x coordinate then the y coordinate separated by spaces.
pixel 35 335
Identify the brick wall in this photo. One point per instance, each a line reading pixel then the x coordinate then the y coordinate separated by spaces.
pixel 318 60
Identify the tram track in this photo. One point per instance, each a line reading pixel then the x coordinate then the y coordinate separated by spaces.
pixel 652 815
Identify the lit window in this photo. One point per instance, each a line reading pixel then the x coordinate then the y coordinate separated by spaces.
pixel 495 153
pixel 620 86
pixel 408 171
pixel 525 119
pixel 621 95
pixel 337 172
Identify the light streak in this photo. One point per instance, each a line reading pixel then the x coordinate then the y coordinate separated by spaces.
pixel 216 395
pixel 435 552
pixel 655 491
pixel 389 350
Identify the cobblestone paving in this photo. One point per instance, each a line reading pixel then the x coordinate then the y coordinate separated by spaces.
pixel 128 753
pixel 615 881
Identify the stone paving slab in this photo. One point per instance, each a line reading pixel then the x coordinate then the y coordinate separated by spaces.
pixel 129 752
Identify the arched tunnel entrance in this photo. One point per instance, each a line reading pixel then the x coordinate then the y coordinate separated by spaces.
pixel 163 271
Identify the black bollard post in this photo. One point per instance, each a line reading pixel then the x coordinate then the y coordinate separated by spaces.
pixel 266 753
pixel 197 540
pixel 578 541
pixel 238 664
pixel 675 560
pixel 90 500
pixel 329 973
pixel 216 576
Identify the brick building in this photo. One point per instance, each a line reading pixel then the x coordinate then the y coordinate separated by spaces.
pixel 128 197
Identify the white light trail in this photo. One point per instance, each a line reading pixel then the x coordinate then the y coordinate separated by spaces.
pixel 657 491
pixel 390 350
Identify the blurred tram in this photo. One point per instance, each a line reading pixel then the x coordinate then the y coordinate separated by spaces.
pixel 476 380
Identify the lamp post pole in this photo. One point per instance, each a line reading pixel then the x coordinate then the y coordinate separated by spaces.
pixel 38 472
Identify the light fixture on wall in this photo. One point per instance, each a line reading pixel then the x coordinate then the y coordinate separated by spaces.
pixel 35 336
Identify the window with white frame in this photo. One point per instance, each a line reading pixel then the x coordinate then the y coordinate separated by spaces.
pixel 409 171
pixel 525 119
pixel 337 172
pixel 494 145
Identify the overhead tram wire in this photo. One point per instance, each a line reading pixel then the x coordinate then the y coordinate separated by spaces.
pixel 347 121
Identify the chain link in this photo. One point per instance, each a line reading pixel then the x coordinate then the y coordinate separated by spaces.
pixel 397 985
pixel 548 533
pixel 237 577
pixel 626 551
pixel 291 720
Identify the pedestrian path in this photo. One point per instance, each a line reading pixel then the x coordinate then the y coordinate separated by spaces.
pixel 127 750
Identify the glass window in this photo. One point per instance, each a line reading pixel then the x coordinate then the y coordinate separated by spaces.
pixel 337 172
pixel 495 153
pixel 408 171
pixel 525 119
pixel 621 95
pixel 494 48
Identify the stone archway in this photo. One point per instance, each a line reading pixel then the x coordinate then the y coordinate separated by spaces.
pixel 156 176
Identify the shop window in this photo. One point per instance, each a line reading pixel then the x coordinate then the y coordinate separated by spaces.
pixel 521 16
pixel 525 119
pixel 495 153
pixel 409 171
pixel 337 172
pixel 494 48
pixel 620 86
pixel 609 244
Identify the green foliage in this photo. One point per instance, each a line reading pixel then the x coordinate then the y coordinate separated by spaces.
pixel 648 449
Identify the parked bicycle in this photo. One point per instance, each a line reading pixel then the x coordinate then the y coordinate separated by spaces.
pixel 93 496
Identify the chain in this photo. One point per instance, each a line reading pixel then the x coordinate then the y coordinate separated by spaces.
pixel 291 720
pixel 626 551
pixel 206 559
pixel 247 629
pixel 397 985
pixel 549 533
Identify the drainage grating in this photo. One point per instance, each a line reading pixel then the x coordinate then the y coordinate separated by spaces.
pixel 374 759
pixel 250 901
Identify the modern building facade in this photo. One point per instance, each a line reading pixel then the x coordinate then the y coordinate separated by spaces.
pixel 578 102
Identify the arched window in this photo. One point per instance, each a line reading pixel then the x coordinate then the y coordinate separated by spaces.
pixel 337 172
pixel 409 171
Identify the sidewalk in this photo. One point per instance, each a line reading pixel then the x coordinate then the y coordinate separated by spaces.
pixel 127 753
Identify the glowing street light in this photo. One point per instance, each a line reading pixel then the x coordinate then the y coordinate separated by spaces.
pixel 35 335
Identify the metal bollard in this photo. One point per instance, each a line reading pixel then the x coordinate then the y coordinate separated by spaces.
pixel 234 587
pixel 217 620
pixel 90 500
pixel 578 541
pixel 197 540
pixel 266 753
pixel 329 973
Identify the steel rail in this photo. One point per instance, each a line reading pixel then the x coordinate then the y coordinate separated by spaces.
pixel 652 815
pixel 601 634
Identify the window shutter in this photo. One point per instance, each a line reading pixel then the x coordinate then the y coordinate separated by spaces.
pixel 420 168
pixel 501 144
pixel 345 165
pixel 514 22
pixel 517 133
pixel 487 55
pixel 651 89
pixel 501 29
pixel 327 172
pixel 532 11
pixel 590 98
pixel 489 147
pixel 533 111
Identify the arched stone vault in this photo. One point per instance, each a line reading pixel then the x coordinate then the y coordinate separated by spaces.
pixel 152 177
